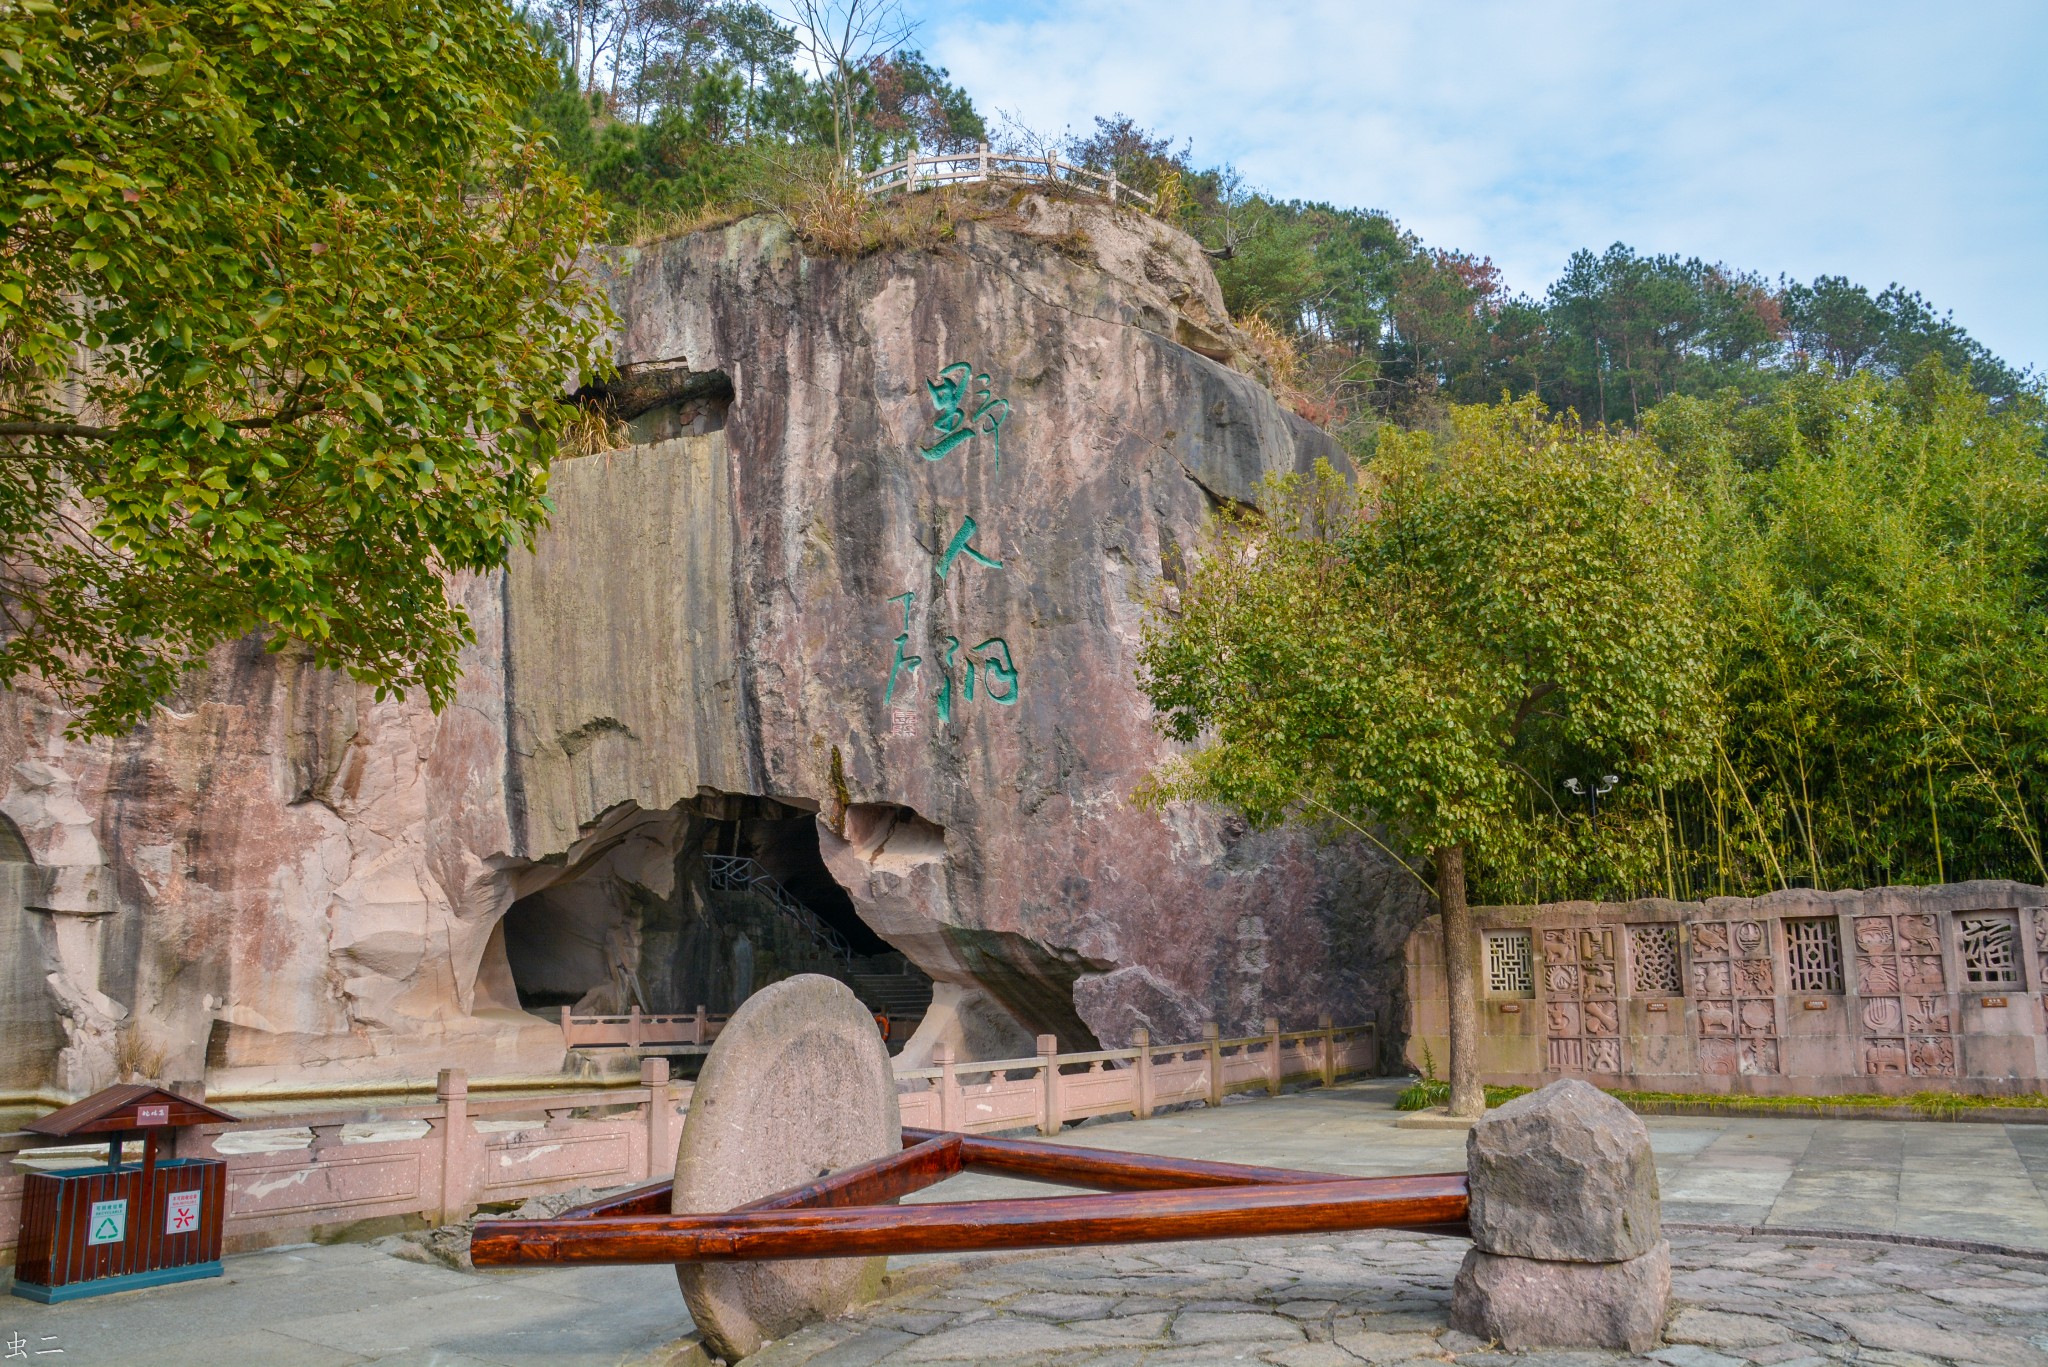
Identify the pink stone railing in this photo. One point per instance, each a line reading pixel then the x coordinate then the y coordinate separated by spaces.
pixel 1049 1089
pixel 368 1171
pixel 636 1029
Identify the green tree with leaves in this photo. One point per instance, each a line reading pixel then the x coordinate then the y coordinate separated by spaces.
pixel 287 302
pixel 1409 651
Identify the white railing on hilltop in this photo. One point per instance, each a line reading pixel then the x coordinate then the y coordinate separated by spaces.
pixel 925 172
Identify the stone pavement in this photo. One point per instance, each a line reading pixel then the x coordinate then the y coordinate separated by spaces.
pixel 1384 1298
pixel 1299 1301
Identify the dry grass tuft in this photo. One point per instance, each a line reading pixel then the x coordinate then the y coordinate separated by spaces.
pixel 136 1059
pixel 591 429
pixel 1287 373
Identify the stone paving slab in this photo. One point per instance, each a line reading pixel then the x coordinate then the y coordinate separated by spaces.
pixel 1313 1301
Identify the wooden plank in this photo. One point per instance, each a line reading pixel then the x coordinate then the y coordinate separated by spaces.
pixel 1435 1202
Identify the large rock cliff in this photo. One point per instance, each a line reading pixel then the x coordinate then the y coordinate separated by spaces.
pixel 862 599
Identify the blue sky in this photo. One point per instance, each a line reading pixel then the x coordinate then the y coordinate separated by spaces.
pixel 1882 141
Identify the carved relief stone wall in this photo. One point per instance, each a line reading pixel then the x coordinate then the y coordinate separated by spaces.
pixel 1581 979
pixel 1893 990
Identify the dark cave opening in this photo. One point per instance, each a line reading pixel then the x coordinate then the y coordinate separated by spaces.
pixel 700 906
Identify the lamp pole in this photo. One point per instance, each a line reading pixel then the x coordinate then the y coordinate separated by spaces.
pixel 1592 791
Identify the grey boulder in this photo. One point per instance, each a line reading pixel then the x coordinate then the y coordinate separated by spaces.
pixel 1564 1174
pixel 1526 1303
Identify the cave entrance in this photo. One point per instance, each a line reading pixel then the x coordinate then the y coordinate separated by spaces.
pixel 702 905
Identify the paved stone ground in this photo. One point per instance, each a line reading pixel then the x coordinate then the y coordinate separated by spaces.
pixel 1867 1302
pixel 1383 1298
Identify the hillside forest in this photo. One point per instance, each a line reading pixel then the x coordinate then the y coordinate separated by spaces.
pixel 1866 479
pixel 1851 531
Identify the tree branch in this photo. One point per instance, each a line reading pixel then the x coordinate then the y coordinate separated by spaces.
pixel 80 432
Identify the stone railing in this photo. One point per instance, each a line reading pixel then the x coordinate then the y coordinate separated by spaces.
pixel 1050 1089
pixel 638 1030
pixel 334 1173
pixel 965 168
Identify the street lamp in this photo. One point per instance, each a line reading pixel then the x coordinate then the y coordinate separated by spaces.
pixel 1592 792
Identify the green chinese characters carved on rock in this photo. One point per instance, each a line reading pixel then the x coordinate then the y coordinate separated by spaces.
pixel 958 389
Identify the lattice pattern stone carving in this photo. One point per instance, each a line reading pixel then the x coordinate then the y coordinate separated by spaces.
pixel 1510 964
pixel 1991 950
pixel 1653 956
pixel 1813 955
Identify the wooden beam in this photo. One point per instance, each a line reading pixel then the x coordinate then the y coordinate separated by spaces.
pixel 1210 1212
pixel 1104 1170
pixel 875 1182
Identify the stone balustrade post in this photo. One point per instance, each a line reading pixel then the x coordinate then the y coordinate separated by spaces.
pixel 1211 1041
pixel 1049 1080
pixel 1276 1067
pixel 661 1147
pixel 702 1027
pixel 633 1028
pixel 1142 1039
pixel 949 1087
pixel 451 1090
pixel 568 1032
pixel 1328 1026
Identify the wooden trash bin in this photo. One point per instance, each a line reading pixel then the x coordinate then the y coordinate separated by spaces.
pixel 95 1230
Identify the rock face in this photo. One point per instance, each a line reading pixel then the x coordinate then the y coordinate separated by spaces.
pixel 863 606
pixel 797 1086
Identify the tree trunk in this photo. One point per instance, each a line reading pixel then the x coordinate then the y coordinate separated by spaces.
pixel 1468 1099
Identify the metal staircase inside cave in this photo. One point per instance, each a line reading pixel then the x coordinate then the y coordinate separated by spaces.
pixel 885 982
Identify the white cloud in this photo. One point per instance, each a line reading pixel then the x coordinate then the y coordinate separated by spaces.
pixel 1884 141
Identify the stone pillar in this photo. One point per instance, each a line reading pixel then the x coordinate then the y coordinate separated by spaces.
pixel 1141 1039
pixel 1276 1066
pixel 451 1089
pixel 1049 1079
pixel 1211 1038
pixel 949 1087
pixel 1568 1245
pixel 1328 1026
pixel 660 1147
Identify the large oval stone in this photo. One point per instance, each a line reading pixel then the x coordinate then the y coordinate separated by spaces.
pixel 796 1086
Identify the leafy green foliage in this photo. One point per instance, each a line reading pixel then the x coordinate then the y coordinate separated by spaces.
pixel 1877 570
pixel 286 302
pixel 1431 648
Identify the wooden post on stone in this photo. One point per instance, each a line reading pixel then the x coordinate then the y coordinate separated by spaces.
pixel 1275 1067
pixel 661 1148
pixel 451 1089
pixel 1048 1053
pixel 1211 1041
pixel 1329 1029
pixel 1143 1039
pixel 949 1087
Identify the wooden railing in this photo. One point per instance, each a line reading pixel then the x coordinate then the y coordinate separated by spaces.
pixel 335 1172
pixel 964 168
